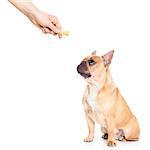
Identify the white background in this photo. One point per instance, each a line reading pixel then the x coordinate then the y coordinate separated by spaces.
pixel 40 90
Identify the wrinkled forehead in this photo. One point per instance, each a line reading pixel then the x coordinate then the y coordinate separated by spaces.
pixel 95 58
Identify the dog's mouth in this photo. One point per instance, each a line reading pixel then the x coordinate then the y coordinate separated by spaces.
pixel 85 75
pixel 83 70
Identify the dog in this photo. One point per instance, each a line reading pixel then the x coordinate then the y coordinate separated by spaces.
pixel 103 102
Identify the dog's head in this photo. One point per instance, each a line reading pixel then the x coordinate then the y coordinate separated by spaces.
pixel 94 65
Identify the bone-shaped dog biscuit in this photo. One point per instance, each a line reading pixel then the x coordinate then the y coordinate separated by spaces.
pixel 66 33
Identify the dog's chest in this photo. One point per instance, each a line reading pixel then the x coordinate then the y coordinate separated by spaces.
pixel 98 114
pixel 92 98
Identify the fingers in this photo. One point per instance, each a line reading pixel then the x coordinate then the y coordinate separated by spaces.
pixel 51 26
pixel 48 31
pixel 56 23
pixel 55 26
pixel 43 30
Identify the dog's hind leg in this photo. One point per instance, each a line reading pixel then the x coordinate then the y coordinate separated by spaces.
pixel 132 130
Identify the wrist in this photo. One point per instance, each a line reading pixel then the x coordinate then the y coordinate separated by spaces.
pixel 29 10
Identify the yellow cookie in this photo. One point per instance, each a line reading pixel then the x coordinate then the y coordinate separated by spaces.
pixel 66 33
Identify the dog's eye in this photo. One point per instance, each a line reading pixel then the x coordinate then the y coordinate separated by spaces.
pixel 91 62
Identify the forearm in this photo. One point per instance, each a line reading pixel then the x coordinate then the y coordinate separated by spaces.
pixel 25 6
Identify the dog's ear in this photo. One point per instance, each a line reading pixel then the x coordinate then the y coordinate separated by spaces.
pixel 94 53
pixel 108 57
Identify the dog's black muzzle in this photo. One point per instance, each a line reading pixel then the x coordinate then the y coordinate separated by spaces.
pixel 82 69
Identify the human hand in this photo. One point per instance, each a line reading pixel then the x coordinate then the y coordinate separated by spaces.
pixel 46 22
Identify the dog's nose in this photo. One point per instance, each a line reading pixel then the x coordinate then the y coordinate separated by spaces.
pixel 80 66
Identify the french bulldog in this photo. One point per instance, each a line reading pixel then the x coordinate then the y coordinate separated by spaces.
pixel 103 102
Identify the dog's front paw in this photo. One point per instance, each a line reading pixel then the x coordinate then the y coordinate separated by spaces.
pixel 111 143
pixel 89 138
